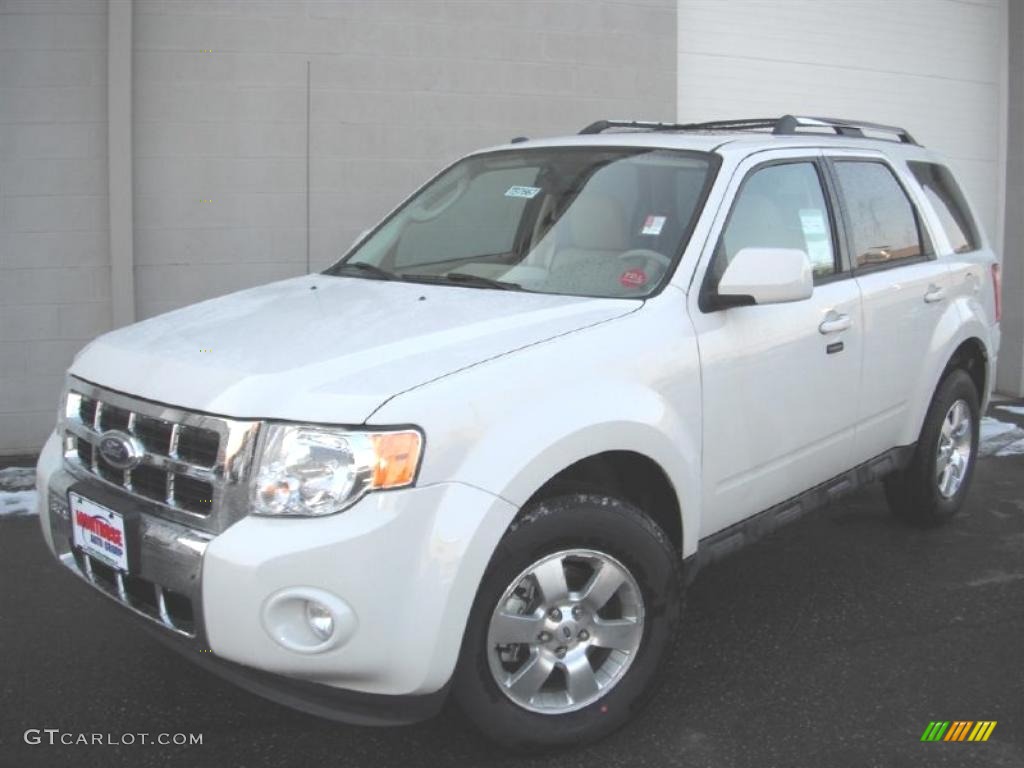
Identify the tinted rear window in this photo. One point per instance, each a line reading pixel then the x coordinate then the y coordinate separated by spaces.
pixel 948 201
pixel 883 223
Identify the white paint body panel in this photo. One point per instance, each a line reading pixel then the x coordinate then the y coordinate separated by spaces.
pixel 333 354
pixel 779 411
pixel 407 562
pixel 741 408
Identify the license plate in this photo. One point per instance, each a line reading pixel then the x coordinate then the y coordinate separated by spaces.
pixel 98 531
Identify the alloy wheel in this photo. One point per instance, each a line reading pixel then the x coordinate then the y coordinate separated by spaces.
pixel 565 631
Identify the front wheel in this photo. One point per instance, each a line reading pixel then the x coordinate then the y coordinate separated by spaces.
pixel 933 487
pixel 571 623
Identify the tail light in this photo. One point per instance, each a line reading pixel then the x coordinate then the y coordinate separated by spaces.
pixel 997 286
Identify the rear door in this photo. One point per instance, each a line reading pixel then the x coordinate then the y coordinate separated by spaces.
pixel 959 239
pixel 904 288
pixel 779 381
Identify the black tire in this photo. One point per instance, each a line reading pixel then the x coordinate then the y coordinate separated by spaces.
pixel 913 493
pixel 580 521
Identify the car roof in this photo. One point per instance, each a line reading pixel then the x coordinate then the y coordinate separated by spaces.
pixel 736 144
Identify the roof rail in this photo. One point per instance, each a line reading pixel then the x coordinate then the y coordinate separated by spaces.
pixel 603 125
pixel 786 125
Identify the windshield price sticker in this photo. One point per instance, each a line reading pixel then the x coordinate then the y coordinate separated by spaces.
pixel 653 225
pixel 526 192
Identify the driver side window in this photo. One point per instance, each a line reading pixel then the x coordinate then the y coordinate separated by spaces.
pixel 779 206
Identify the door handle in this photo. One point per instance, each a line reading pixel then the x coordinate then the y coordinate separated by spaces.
pixel 934 293
pixel 835 322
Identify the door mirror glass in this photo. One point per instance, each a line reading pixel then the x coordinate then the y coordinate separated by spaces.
pixel 767 276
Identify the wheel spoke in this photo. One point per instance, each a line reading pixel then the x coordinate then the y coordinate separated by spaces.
pixel 956 441
pixel 617 633
pixel 947 426
pixel 582 683
pixel 960 462
pixel 551 580
pixel 602 585
pixel 530 677
pixel 515 628
pixel 946 482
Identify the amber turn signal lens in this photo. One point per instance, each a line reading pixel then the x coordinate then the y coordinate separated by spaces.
pixel 398 455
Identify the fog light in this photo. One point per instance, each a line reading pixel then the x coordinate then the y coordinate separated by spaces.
pixel 308 620
pixel 320 619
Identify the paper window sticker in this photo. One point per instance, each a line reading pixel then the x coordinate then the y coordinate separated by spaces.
pixel 653 225
pixel 812 220
pixel 527 193
pixel 819 253
pixel 816 238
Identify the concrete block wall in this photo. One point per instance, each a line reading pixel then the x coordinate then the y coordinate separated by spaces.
pixel 934 67
pixel 1010 376
pixel 54 253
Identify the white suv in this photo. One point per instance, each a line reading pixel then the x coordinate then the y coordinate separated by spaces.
pixel 483 452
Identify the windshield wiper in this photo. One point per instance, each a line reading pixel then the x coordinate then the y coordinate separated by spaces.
pixel 371 271
pixel 464 278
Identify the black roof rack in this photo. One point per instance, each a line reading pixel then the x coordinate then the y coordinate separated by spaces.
pixel 787 125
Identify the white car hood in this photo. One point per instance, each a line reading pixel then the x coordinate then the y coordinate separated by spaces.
pixel 325 349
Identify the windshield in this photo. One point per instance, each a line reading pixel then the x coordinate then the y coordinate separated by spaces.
pixel 605 222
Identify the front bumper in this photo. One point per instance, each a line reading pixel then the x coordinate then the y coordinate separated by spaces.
pixel 406 564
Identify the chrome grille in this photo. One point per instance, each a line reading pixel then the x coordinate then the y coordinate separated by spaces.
pixel 194 468
pixel 170 608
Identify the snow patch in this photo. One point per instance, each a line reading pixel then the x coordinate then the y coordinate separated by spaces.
pixel 1013 449
pixel 997 435
pixel 17 503
pixel 17 479
pixel 1015 409
pixel 17 494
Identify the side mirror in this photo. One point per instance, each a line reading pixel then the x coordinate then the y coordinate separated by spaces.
pixel 766 276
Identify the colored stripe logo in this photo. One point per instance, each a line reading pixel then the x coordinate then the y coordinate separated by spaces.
pixel 958 730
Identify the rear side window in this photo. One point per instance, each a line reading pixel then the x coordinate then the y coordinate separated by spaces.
pixel 948 201
pixel 884 227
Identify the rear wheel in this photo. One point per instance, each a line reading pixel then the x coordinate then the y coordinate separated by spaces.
pixel 933 487
pixel 574 617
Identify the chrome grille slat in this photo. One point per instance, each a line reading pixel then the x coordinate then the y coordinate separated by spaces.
pixel 172 449
pixel 97 412
pixel 131 431
pixel 161 606
pixel 210 498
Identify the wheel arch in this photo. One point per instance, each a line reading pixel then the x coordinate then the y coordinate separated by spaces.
pixel 972 357
pixel 629 475
pixel 956 343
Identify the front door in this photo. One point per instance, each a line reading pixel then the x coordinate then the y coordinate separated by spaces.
pixel 779 381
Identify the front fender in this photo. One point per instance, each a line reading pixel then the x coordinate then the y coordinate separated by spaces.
pixel 509 425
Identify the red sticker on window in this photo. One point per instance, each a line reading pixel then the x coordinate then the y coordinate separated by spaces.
pixel 633 278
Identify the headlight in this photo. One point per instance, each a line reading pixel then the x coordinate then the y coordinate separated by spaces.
pixel 313 471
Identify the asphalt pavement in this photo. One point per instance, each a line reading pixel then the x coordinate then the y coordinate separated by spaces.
pixel 833 642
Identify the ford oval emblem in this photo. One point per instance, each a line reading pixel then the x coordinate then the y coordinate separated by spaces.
pixel 120 450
